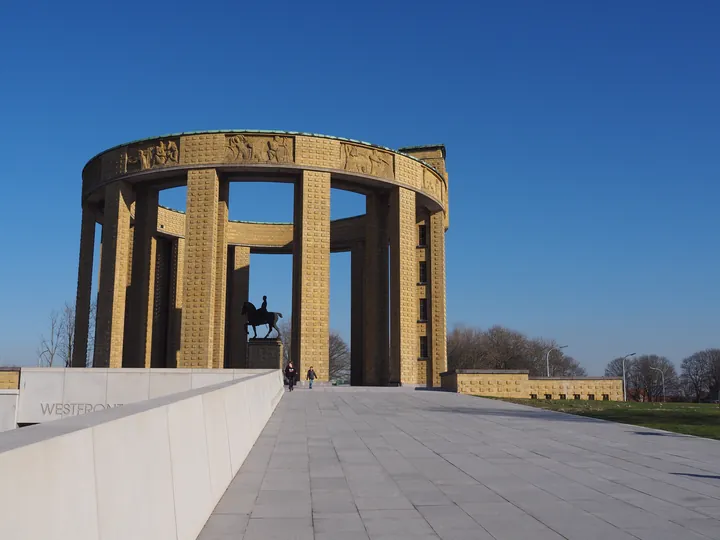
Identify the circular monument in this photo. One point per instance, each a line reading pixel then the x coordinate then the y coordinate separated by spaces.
pixel 173 286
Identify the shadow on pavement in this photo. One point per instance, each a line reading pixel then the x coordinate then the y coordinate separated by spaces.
pixel 713 477
pixel 658 434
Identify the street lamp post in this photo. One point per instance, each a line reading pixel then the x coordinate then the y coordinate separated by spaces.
pixel 663 380
pixel 547 356
pixel 624 382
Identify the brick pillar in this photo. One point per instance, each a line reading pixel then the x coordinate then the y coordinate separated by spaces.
pixel 238 292
pixel 177 266
pixel 84 291
pixel 84 287
pixel 221 277
pixel 376 359
pixel 199 280
pixel 113 277
pixel 161 303
pixel 141 295
pixel 357 268
pixel 403 288
pixel 311 273
pixel 436 287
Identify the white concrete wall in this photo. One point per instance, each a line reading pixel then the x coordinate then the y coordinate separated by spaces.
pixel 8 409
pixel 151 470
pixel 53 393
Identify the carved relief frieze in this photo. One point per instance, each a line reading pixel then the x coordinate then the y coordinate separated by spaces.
pixel 241 148
pixel 432 185
pixel 163 153
pixel 114 163
pixel 367 161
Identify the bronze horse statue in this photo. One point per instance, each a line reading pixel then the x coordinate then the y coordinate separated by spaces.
pixel 258 318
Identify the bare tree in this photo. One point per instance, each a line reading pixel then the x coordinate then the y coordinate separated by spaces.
pixel 465 349
pixel 696 374
pixel 615 367
pixel 503 348
pixel 647 381
pixel 567 366
pixel 286 339
pixel 339 357
pixel 713 360
pixel 49 346
pixel 67 340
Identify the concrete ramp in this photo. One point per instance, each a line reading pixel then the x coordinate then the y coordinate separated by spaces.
pixel 148 470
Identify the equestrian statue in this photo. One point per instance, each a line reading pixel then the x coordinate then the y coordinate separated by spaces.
pixel 259 317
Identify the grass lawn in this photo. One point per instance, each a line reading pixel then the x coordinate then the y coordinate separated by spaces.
pixel 701 419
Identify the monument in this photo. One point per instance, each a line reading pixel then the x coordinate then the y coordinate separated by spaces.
pixel 173 286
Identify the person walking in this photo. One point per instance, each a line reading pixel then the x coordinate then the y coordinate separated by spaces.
pixel 311 376
pixel 290 373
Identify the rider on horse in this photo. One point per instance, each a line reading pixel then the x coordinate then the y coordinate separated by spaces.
pixel 260 317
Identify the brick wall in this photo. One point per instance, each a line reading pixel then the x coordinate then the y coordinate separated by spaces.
pixel 512 384
pixel 9 379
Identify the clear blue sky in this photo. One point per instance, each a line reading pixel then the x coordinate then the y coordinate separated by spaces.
pixel 583 144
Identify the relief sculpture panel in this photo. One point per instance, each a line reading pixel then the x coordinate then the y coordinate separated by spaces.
pixel 152 155
pixel 241 148
pixel 369 161
pixel 432 185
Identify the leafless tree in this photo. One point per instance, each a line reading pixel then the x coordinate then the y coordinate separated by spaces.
pixel 50 346
pixel 695 376
pixel 566 366
pixel 615 367
pixel 713 360
pixel 466 349
pixel 648 382
pixel 67 340
pixel 286 339
pixel 503 348
pixel 339 357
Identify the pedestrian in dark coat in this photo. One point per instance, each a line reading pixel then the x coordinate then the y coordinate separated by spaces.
pixel 291 375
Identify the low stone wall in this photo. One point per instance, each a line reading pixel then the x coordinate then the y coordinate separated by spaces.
pixel 52 393
pixel 8 409
pixel 518 384
pixel 145 471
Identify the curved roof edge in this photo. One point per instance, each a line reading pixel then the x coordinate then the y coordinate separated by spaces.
pixel 273 132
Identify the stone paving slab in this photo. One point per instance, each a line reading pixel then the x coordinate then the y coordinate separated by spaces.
pixel 375 464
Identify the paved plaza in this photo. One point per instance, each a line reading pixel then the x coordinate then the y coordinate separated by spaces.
pixel 359 463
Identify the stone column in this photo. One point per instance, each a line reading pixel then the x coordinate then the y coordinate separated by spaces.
pixel 84 287
pixel 357 268
pixel 221 277
pixel 161 303
pixel 113 277
pixel 311 273
pixel 376 359
pixel 239 290
pixel 200 269
pixel 177 266
pixel 436 287
pixel 403 288
pixel 142 293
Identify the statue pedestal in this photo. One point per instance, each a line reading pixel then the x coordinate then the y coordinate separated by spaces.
pixel 265 354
